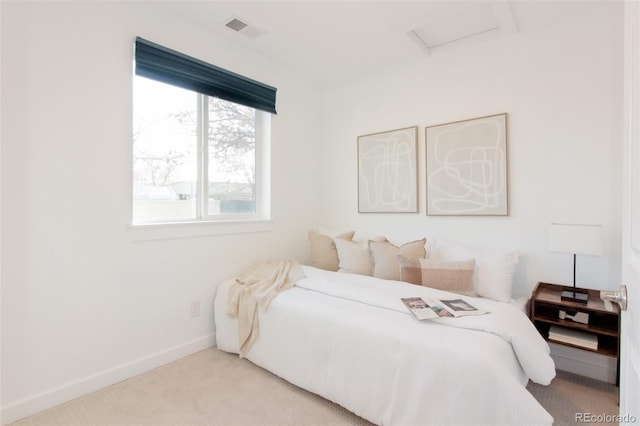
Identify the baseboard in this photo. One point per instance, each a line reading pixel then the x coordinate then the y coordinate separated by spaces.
pixel 36 403
pixel 584 363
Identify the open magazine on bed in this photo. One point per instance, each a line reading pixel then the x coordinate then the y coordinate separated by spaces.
pixel 423 309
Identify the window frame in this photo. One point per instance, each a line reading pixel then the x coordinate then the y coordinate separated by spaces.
pixel 205 223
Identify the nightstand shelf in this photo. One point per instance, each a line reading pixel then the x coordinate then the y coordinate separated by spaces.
pixel 546 305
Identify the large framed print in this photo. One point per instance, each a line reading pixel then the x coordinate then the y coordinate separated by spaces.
pixel 467 167
pixel 388 172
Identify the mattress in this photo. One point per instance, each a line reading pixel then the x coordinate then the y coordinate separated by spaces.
pixel 349 339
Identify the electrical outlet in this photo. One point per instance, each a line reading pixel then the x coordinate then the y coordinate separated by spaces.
pixel 194 309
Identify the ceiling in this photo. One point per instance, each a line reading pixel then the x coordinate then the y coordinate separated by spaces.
pixel 335 41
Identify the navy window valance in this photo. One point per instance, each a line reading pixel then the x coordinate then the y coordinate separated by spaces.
pixel 168 66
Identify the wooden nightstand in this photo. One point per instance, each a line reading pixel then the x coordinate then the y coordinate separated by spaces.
pixel 603 326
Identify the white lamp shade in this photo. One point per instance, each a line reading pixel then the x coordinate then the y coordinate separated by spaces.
pixel 575 239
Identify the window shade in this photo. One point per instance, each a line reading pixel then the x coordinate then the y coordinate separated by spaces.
pixel 168 66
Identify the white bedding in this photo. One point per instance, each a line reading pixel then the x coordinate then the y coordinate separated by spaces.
pixel 349 339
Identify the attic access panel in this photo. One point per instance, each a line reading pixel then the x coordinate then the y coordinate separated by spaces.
pixel 462 22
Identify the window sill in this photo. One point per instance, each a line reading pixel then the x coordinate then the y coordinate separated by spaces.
pixel 174 230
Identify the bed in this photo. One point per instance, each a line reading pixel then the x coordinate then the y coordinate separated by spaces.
pixel 349 339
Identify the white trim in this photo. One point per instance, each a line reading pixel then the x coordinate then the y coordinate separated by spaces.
pixel 42 401
pixel 202 185
pixel 263 164
pixel 168 231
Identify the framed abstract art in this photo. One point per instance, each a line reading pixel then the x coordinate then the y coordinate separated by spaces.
pixel 388 172
pixel 467 167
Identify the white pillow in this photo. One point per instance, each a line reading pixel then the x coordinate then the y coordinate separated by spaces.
pixel 494 270
pixel 353 258
pixel 385 257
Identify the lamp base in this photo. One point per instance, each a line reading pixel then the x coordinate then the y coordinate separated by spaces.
pixel 574 296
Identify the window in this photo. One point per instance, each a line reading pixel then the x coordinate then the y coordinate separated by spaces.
pixel 198 150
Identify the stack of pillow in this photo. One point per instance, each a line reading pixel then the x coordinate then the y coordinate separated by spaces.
pixel 444 265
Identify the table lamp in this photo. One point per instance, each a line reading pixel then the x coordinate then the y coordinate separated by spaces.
pixel 575 239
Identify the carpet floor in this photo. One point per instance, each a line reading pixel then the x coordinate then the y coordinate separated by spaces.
pixel 212 387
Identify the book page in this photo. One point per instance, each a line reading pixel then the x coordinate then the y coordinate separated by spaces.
pixel 460 308
pixel 419 308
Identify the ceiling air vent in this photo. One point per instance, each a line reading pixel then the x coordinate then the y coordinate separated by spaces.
pixel 236 24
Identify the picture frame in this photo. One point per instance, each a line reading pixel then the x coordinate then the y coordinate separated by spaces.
pixel 388 171
pixel 466 167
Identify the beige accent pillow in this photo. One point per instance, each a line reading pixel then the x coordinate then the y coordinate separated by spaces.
pixel 385 257
pixel 455 276
pixel 323 250
pixel 353 258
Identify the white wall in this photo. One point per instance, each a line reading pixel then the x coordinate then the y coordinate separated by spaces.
pixel 561 88
pixel 83 303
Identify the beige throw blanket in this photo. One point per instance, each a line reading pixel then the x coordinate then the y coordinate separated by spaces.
pixel 257 287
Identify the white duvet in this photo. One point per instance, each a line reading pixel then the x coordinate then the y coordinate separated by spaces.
pixel 349 338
